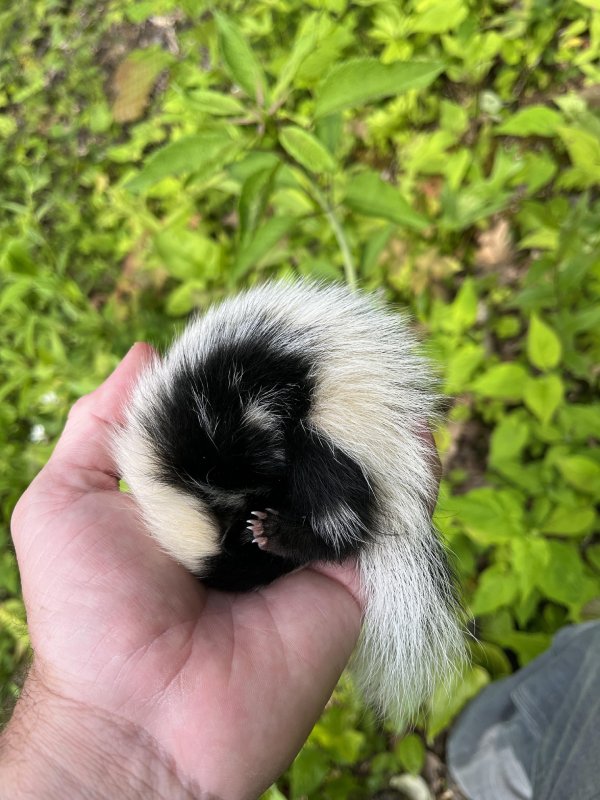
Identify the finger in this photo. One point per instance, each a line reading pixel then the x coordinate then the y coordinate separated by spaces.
pixel 82 457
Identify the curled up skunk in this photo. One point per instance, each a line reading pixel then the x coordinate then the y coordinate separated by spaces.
pixel 286 426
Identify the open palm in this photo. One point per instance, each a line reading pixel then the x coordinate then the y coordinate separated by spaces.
pixel 227 686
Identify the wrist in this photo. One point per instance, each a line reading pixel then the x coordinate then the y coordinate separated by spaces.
pixel 55 747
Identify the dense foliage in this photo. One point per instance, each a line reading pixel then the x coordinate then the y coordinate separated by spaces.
pixel 158 155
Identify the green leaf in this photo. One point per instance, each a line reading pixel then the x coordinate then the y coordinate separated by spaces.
pixel 499 628
pixel 187 254
pixel 532 121
pixel 353 83
pixel 463 310
pixel 265 238
pixel 12 619
pixel 185 298
pixel 410 752
pixel 243 65
pixel 215 103
pixel 543 345
pixel 368 194
pixel 508 440
pixel 569 521
pixel 503 381
pixel 188 154
pixel 543 396
pixel 461 365
pixel 584 151
pixel 582 473
pixel 303 46
pixel 254 197
pixel 438 16
pixel 497 587
pixel 273 793
pixel 562 578
pixel 308 772
pixel 307 150
pixel 491 657
pixel 489 516
pixel 446 705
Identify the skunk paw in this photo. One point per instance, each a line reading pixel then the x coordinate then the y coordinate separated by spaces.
pixel 262 526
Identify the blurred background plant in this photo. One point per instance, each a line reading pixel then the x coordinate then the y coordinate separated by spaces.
pixel 158 155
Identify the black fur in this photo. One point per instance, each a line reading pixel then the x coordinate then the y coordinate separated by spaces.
pixel 235 464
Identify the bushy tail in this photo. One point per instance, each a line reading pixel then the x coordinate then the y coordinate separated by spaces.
pixel 412 637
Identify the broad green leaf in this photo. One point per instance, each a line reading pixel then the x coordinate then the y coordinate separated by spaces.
pixel 562 578
pixel 584 151
pixel 265 238
pixel 307 150
pixel 438 16
pixel 543 345
pixel 463 310
pixel 499 628
pixel 491 657
pixel 536 171
pixel 569 521
pixel 582 473
pixel 187 254
pixel 254 197
pixel 308 772
pixel 188 154
pixel 362 80
pixel 410 752
pixel 489 516
pixel 532 121
pixel 242 63
pixel 185 298
pixel 461 365
pixel 12 619
pixel 304 44
pixel 580 422
pixel 509 438
pixel 216 103
pixel 497 587
pixel 330 131
pixel 273 793
pixel 543 396
pixel 503 381
pixel 369 195
pixel 593 556
pixel 447 704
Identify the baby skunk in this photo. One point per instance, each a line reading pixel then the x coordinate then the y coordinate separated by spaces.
pixel 287 425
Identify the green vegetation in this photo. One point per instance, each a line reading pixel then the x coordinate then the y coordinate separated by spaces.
pixel 158 155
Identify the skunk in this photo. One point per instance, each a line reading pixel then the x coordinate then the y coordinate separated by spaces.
pixel 288 425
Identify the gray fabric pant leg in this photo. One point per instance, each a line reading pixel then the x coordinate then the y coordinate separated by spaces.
pixel 536 734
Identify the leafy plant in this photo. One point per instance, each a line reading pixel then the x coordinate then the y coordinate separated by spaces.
pixel 158 155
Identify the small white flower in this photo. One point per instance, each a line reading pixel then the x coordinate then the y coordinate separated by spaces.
pixel 49 399
pixel 38 434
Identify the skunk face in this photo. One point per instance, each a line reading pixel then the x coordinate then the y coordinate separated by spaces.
pixel 283 427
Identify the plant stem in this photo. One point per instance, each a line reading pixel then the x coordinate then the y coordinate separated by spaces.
pixel 349 266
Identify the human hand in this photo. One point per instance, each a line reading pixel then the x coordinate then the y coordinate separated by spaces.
pixel 143 682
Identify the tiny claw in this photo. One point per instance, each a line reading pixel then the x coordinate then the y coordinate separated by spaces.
pixel 259 514
pixel 272 510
